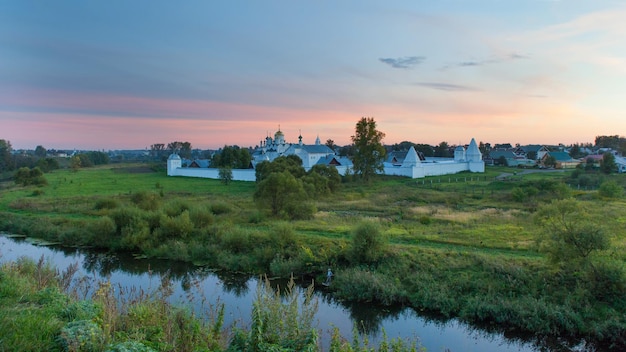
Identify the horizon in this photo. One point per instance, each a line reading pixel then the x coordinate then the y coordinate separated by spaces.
pixel 120 75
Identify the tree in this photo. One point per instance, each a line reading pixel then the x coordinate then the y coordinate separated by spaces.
pixel 369 151
pixel 278 190
pixel 40 152
pixel 6 164
pixel 330 173
pixel 610 189
pixel 25 177
pixel 232 157
pixel 291 164
pixel 75 163
pixel 226 174
pixel 181 148
pixel 549 161
pixel 442 150
pixel 368 243
pixel 331 144
pixel 157 150
pixel 570 235
pixel 607 164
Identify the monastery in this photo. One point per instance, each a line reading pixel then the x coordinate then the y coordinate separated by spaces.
pixel 407 164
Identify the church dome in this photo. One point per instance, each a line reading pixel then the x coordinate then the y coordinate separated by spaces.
pixel 174 157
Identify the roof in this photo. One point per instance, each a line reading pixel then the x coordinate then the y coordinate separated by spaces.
pixel 334 160
pixel 496 154
pixel 531 148
pixel 561 156
pixel 317 149
pixel 202 163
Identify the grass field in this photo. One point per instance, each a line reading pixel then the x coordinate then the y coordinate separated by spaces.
pixel 463 245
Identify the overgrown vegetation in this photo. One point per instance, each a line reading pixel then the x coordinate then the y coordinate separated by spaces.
pixel 470 246
pixel 44 310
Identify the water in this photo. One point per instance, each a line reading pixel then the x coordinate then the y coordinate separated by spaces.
pixel 238 293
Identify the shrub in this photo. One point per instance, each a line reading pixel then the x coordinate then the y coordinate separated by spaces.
pixel 81 335
pixel 221 208
pixel 236 240
pixel 201 216
pixel 129 346
pixel 26 177
pixel 145 200
pixel 179 227
pixel 610 189
pixel 176 207
pixel 300 210
pixel 368 242
pixel 106 203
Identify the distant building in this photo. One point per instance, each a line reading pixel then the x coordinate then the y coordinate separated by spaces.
pixel 408 164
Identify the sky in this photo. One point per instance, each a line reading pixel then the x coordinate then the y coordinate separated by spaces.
pixel 121 74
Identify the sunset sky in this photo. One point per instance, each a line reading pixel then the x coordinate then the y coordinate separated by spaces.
pixel 128 74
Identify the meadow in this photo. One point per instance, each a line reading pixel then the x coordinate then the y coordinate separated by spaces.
pixel 467 246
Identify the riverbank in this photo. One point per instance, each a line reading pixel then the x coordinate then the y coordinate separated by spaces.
pixel 461 249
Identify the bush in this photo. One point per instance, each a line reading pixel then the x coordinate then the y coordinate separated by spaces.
pixel 129 346
pixel 107 203
pixel 179 227
pixel 610 189
pixel 26 177
pixel 368 243
pixel 146 200
pixel 81 335
pixel 201 217
pixel 221 208
pixel 176 207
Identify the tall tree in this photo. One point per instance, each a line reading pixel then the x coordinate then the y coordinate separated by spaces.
pixel 331 144
pixel 369 152
pixel 40 152
pixel 608 165
pixel 182 148
pixel 442 150
pixel 6 163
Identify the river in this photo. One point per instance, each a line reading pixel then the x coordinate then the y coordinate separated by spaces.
pixel 237 293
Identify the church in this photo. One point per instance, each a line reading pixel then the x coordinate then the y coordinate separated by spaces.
pixel 408 164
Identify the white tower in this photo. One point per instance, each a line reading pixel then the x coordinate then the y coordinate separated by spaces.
pixel 173 162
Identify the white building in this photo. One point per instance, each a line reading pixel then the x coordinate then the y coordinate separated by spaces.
pixel 410 165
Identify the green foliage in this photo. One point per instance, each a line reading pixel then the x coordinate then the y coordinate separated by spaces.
pixel 231 157
pixel 178 227
pixel 146 200
pixel 26 177
pixel 610 189
pixel 330 173
pixel 176 207
pixel 291 164
pixel 279 322
pixel 106 203
pixel 368 242
pixel 6 163
pixel 369 151
pixel 128 346
pixel 277 191
pixel 81 335
pixel 226 175
pixel 48 164
pixel 201 216
pixel 569 234
pixel 220 208
pixel 549 161
pixel 607 164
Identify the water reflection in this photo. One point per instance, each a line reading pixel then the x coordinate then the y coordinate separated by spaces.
pixel 205 289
